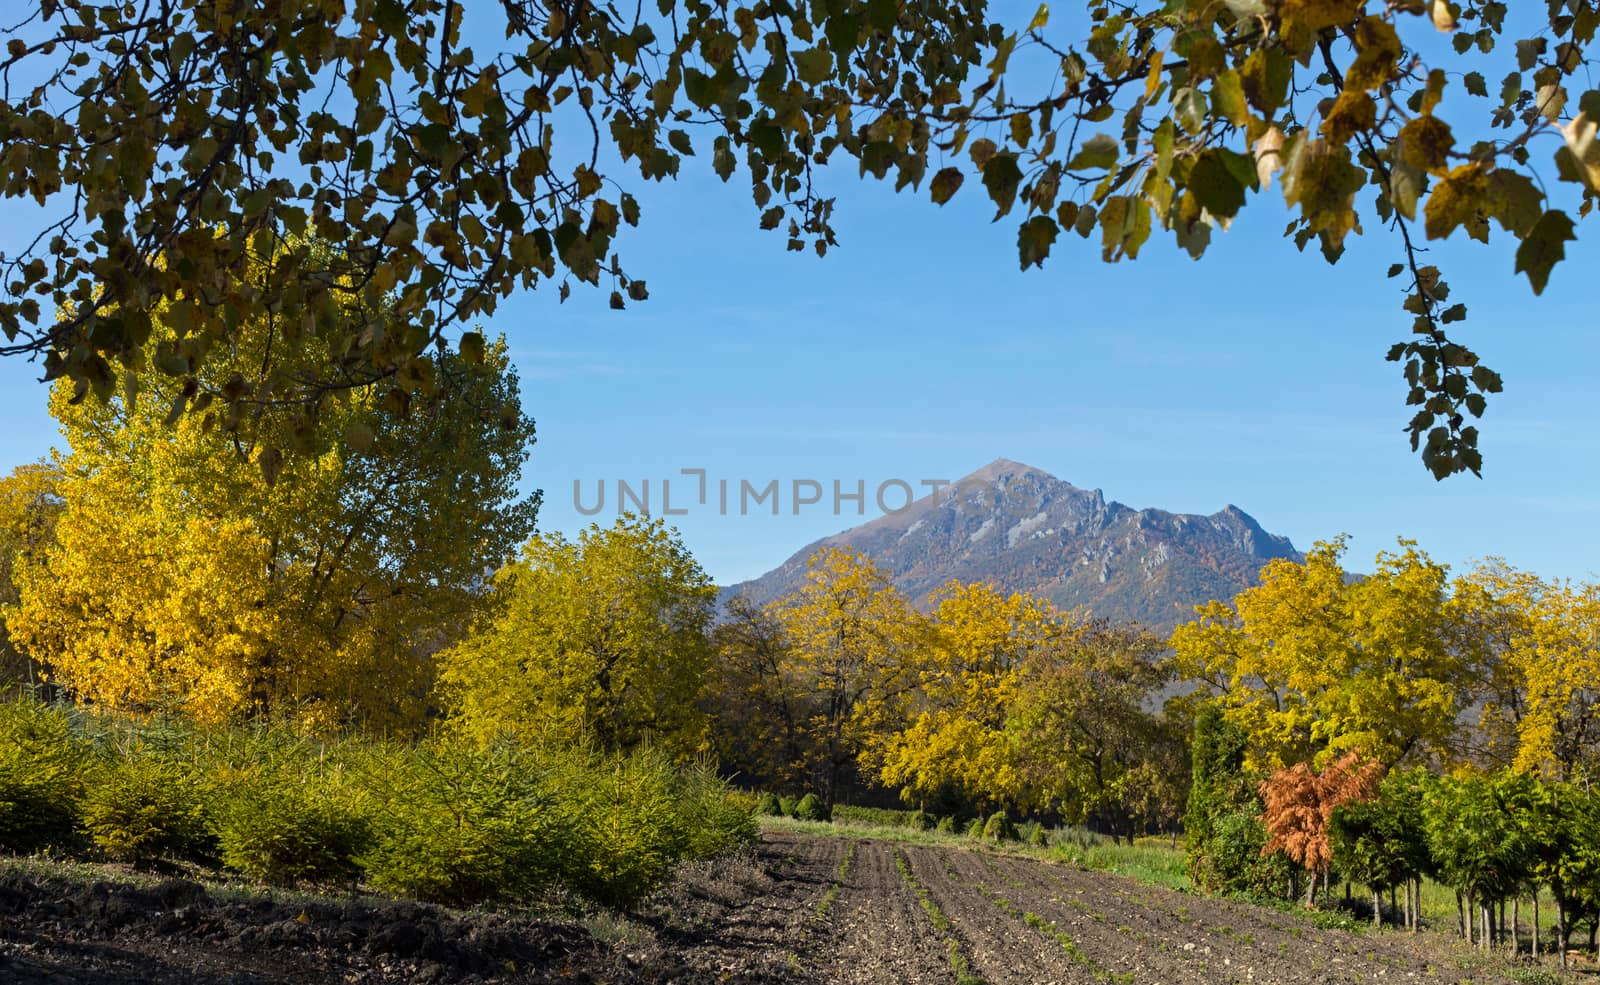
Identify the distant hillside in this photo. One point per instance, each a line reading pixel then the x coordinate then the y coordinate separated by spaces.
pixel 1026 530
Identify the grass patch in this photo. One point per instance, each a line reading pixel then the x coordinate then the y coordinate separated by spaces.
pixel 1153 862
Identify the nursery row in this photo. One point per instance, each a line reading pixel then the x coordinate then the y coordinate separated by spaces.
pixel 443 819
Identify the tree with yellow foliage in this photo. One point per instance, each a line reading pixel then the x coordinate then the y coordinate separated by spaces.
pixel 600 639
pixel 1559 664
pixel 1495 607
pixel 1086 744
pixel 855 651
pixel 759 710
pixel 193 572
pixel 1541 641
pixel 1312 663
pixel 29 505
pixel 955 741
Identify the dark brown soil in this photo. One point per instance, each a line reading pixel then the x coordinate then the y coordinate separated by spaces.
pixel 795 909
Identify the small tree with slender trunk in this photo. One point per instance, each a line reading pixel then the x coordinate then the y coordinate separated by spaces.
pixel 1299 803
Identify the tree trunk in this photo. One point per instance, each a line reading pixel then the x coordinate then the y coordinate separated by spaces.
pixel 1536 922
pixel 1311 891
pixel 1561 931
pixel 1516 919
pixel 1377 909
pixel 1463 907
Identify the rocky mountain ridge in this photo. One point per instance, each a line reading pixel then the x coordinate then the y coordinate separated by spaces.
pixel 1023 529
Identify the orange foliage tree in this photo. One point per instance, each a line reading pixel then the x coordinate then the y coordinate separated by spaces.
pixel 1300 802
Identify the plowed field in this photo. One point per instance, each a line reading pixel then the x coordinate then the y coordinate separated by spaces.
pixel 799 909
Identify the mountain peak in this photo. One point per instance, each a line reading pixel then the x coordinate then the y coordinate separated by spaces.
pixel 1005 466
pixel 1035 533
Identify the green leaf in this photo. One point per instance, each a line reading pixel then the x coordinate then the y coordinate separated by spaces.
pixel 1034 239
pixel 1227 98
pixel 842 32
pixel 814 65
pixel 1021 129
pixel 722 160
pixel 1544 247
pixel 1216 184
pixel 1515 201
pixel 1099 151
pixel 1002 176
pixel 359 437
pixel 882 15
pixel 1265 77
pixel 472 348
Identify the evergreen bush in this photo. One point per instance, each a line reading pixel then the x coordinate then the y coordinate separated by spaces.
pixel 141 808
pixel 44 764
pixel 811 808
pixel 628 832
pixel 461 824
pixel 715 818
pixel 999 828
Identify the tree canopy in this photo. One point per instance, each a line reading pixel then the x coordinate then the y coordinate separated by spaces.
pixel 29 505
pixel 176 579
pixel 450 154
pixel 1312 663
pixel 601 638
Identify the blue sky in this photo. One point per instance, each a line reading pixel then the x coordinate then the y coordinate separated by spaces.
pixel 918 350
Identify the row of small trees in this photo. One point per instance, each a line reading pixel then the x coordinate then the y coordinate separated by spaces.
pixel 446 819
pixel 1496 838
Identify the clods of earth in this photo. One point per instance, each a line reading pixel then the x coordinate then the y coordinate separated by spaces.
pixel 795 909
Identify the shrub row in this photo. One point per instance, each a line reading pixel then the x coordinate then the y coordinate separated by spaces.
pixel 444 820
pixel 807 808
pixel 996 827
pixel 880 817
